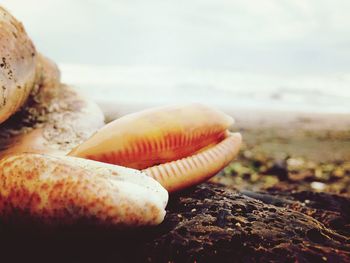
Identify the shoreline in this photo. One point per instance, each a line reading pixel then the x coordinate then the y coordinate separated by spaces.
pixel 248 118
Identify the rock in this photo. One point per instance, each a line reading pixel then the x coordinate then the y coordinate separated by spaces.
pixel 209 223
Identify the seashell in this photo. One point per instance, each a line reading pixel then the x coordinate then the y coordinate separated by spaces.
pixel 56 120
pixel 68 190
pixel 18 64
pixel 179 146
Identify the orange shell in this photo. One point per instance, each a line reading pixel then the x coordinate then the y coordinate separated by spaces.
pixel 177 175
pixel 155 136
pixel 178 146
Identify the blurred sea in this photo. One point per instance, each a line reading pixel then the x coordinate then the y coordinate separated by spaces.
pixel 153 86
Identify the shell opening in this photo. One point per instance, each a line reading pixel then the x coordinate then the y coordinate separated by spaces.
pixel 188 171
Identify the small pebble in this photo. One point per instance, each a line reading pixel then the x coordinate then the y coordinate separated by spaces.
pixel 318 186
pixel 295 162
pixel 247 154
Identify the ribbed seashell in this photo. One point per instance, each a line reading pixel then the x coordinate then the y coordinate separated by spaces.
pixel 179 145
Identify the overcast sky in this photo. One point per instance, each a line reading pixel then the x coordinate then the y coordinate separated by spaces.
pixel 291 53
pixel 256 36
